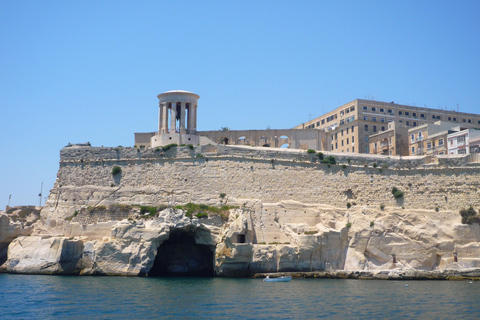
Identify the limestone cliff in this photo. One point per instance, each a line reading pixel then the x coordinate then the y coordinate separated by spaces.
pixel 282 212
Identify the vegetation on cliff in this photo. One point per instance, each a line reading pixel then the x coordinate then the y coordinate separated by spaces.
pixel 204 211
pixel 469 216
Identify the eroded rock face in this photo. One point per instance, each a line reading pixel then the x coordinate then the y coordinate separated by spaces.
pixel 38 255
pixel 256 238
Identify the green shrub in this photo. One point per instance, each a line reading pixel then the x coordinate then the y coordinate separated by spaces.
pixel 148 211
pixel 329 160
pixel 320 156
pixel 349 205
pixel 199 155
pixel 371 224
pixel 116 170
pixel 436 209
pixel 190 146
pixel 310 232
pixel 374 164
pixel 201 215
pixel 310 151
pixel 168 146
pixel 222 195
pixel 158 149
pixel 183 145
pixel 344 166
pixel 348 225
pixel 397 193
pixel 382 206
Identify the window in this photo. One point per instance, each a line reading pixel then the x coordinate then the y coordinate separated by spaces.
pixel 433 117
pixel 414 114
pixel 455 119
pixel 374 109
pixel 469 120
pixel 366 138
pixel 382 120
pixel 353 129
pixel 353 149
pixel 400 113
pixel 336 145
pixel 408 123
pixel 336 133
pixel 347 111
pixel 374 118
pixel 382 110
pixel 342 143
pixel 449 118
pixel 390 111
pixel 353 139
pixel 323 121
pixel 412 138
pixel 352 108
pixel 429 145
pixel 464 120
pixel 347 130
pixel 413 149
pixel 414 123
pixel 374 128
pixel 407 113
pixel 342 122
pixel 365 118
pixel 439 118
pixel 440 142
pixel 365 108
pixel 348 150
pixel 478 121
pixel 422 115
pixel 366 127
pixel 383 128
pixel 342 132
pixel 347 140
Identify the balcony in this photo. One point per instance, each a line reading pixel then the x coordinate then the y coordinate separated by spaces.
pixel 419 138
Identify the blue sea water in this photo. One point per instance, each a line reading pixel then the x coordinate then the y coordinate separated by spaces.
pixel 71 297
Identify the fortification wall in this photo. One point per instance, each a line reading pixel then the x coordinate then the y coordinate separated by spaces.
pixel 152 177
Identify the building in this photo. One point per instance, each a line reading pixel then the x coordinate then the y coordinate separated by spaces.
pixel 350 126
pixel 459 142
pixel 430 138
pixel 391 142
pixel 177 124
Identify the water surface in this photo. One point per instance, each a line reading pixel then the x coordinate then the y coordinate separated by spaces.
pixel 70 297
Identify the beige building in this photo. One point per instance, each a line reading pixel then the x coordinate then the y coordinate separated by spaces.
pixel 430 138
pixel 350 126
pixel 391 142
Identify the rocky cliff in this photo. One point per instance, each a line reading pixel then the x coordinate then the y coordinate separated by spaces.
pixel 274 213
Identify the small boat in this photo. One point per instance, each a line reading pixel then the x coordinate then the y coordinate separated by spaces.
pixel 279 279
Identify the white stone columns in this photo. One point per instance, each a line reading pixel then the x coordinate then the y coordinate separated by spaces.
pixel 173 117
pixel 164 118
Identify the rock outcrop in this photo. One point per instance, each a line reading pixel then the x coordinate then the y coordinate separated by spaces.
pixel 256 238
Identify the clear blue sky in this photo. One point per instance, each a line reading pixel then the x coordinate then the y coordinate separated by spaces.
pixel 78 71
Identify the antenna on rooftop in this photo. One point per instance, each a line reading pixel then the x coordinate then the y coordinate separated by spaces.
pixel 310 116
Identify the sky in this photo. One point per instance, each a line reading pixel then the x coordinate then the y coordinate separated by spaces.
pixel 78 71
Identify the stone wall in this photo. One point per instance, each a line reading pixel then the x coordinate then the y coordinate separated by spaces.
pixel 179 176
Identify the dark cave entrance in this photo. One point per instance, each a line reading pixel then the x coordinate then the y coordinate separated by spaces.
pixel 180 256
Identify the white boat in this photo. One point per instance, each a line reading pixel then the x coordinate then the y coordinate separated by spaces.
pixel 279 279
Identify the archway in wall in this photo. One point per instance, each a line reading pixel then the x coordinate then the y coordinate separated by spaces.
pixel 263 142
pixel 242 141
pixel 180 256
pixel 223 140
pixel 284 142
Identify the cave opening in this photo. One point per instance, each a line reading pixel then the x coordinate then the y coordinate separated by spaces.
pixel 180 256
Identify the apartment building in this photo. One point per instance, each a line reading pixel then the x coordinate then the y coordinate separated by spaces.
pixel 391 142
pixel 350 126
pixel 459 142
pixel 430 138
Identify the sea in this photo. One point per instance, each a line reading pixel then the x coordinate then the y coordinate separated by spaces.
pixel 76 297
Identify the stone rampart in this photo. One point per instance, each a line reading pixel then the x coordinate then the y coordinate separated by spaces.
pixel 151 177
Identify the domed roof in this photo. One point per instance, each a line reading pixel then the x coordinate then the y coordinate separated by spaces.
pixel 178 93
